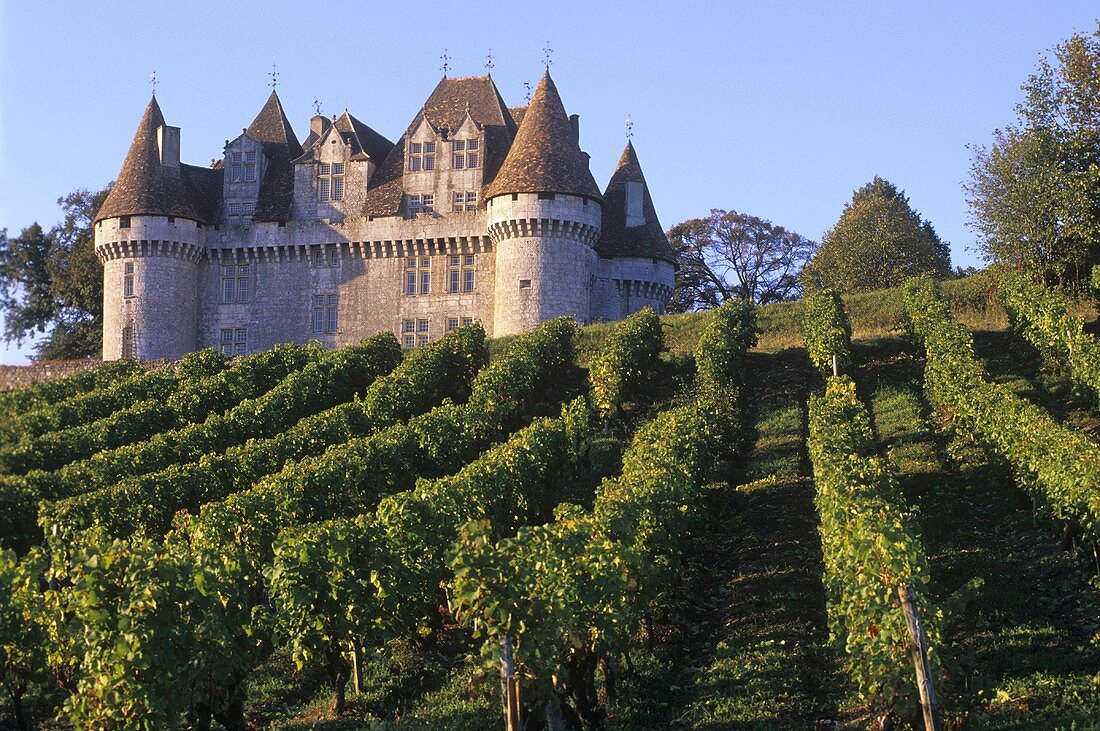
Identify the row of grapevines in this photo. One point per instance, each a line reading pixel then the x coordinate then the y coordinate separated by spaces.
pixel 20 494
pixel 376 577
pixel 871 546
pixel 440 370
pixel 826 331
pixel 19 401
pixel 350 478
pixel 156 383
pixel 193 402
pixel 1040 316
pixel 626 362
pixel 194 628
pixel 1056 465
pixel 334 376
pixel 569 595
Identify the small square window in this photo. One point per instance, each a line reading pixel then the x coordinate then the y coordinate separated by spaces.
pixel 469 260
pixel 325 168
pixel 471 160
pixel 248 208
pixel 459 161
pixel 421 341
pixel 234 209
pixel 124 222
pixel 459 145
pixel 429 162
pixel 334 258
pixel 337 168
pixel 471 144
pixel 467 321
pixel 236 157
pixel 452 323
pixel 250 173
pixel 416 148
pixel 525 284
pixel 410 341
pixel 425 261
pixel 129 267
pixel 454 261
pixel 414 164
pixel 319 258
pixel 408 326
pixel 250 157
pixel 429 148
pixel 422 326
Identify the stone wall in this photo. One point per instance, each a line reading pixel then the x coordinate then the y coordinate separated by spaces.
pixel 21 376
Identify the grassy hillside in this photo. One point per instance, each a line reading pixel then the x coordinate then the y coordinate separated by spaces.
pixel 740 639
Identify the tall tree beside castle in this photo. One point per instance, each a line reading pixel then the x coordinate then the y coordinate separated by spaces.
pixel 878 242
pixel 51 282
pixel 730 255
pixel 1034 193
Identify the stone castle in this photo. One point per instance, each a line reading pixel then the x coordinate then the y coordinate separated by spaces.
pixel 479 212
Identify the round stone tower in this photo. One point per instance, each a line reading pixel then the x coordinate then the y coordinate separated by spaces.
pixel 544 220
pixel 149 236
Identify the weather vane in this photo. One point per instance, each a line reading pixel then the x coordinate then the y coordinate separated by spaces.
pixel 316 107
pixel 274 77
pixel 489 60
pixel 153 81
pixel 629 127
pixel 446 63
pixel 547 54
pixel 527 91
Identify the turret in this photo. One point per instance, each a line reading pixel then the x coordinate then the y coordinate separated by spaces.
pixel 149 236
pixel 637 264
pixel 544 220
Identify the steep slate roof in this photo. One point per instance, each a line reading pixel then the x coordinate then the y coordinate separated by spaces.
pixel 446 108
pixel 647 241
pixel 545 157
pixel 517 114
pixel 362 138
pixel 280 145
pixel 145 187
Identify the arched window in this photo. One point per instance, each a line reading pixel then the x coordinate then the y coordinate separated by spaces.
pixel 129 344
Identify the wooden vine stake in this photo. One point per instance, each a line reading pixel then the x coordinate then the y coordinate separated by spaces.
pixel 509 686
pixel 836 365
pixel 918 648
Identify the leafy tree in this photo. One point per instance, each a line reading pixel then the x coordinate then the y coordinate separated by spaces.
pixel 731 255
pixel 1034 193
pixel 51 282
pixel 878 242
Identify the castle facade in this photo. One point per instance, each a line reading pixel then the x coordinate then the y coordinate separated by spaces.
pixel 479 212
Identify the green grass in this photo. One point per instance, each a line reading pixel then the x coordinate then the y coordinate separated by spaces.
pixel 1025 653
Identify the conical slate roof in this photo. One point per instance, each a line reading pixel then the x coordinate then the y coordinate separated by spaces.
pixel 545 156
pixel 647 241
pixel 144 186
pixel 271 125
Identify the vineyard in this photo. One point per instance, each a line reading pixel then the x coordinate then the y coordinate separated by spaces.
pixel 853 513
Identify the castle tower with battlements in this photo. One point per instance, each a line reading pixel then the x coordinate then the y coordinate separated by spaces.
pixel 478 212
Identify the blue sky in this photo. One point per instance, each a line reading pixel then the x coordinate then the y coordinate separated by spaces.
pixel 778 109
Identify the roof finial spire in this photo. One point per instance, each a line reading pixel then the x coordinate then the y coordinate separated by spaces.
pixel 274 77
pixel 629 127
pixel 153 81
pixel 446 63
pixel 547 56
pixel 316 107
pixel 489 61
pixel 527 91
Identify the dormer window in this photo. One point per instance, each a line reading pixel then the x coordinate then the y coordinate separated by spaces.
pixel 464 153
pixel 330 181
pixel 236 168
pixel 250 167
pixel 421 156
pixel 421 203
